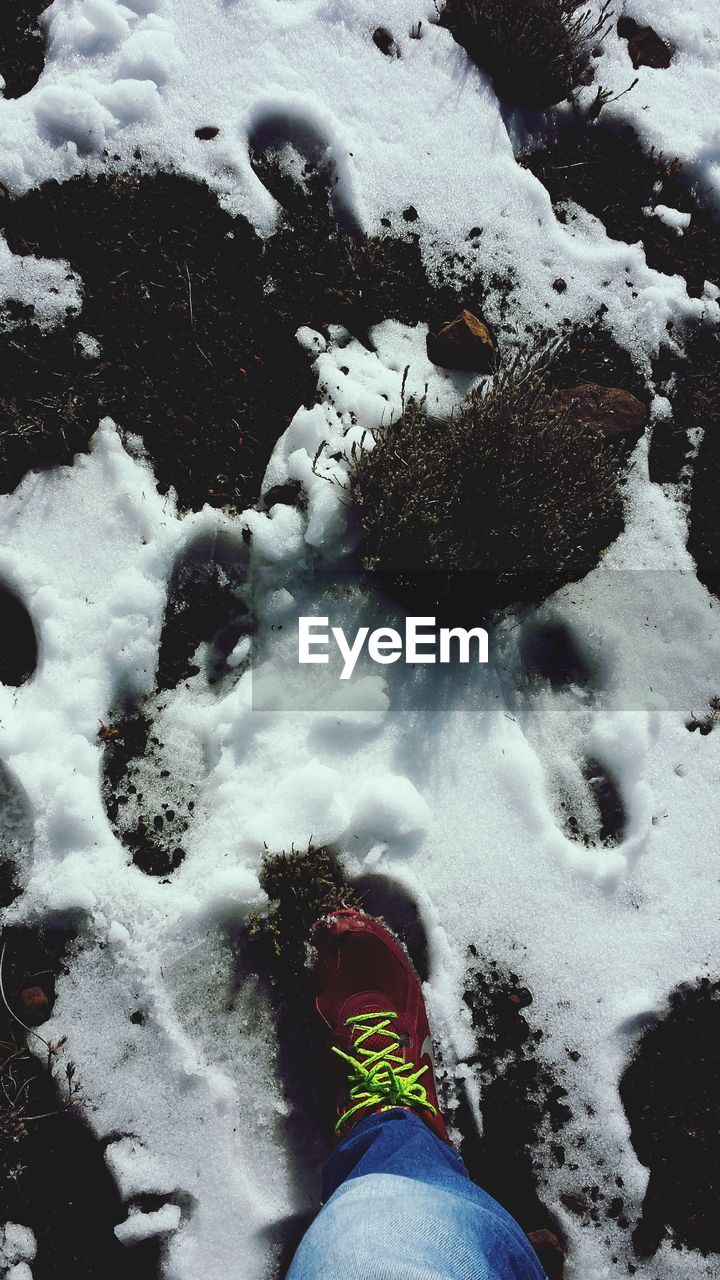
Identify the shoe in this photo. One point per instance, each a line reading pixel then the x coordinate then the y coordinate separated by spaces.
pixel 370 1001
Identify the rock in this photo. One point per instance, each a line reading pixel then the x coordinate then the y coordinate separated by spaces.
pixel 385 43
pixel 463 343
pixel 550 1252
pixel 608 409
pixel 626 27
pixel 410 214
pixel 34 1006
pixel 646 49
pixel 206 132
pixel 559 285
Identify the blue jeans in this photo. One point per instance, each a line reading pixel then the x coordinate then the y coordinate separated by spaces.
pixel 399 1205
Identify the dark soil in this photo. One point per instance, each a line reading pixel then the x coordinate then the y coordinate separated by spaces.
pixel 671 1094
pixel 608 173
pixel 589 353
pixel 53 1176
pixel 196 317
pixel 18 642
pixel 520 1094
pixel 22 47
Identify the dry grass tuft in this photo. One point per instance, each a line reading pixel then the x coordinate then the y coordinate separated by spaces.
pixel 537 51
pixel 507 501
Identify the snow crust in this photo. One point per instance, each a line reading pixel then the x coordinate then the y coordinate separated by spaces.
pixel 453 785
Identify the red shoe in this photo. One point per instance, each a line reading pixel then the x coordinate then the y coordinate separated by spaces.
pixel 370 1000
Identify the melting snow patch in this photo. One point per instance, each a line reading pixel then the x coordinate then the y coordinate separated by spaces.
pixel 140 1226
pixel 672 217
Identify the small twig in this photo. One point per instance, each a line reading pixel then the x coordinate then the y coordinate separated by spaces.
pixel 192 317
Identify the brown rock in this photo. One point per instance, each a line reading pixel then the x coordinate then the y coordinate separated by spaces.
pixel 206 132
pixel 550 1252
pixel 608 409
pixel 648 50
pixel 463 343
pixel 34 1006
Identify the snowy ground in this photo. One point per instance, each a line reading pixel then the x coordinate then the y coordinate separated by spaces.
pixel 451 785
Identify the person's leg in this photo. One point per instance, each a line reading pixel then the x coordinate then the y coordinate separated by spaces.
pixel 400 1206
pixel 399 1203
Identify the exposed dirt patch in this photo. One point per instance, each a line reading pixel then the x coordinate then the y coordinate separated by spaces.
pixel 195 316
pixel 53 1177
pixel 671 1094
pixel 18 642
pixel 520 1096
pixel 609 174
pixel 22 47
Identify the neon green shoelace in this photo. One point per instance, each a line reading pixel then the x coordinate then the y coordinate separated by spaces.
pixel 380 1077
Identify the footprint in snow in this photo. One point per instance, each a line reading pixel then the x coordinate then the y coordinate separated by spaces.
pixel 286 147
pixel 583 792
pixel 154 762
pixel 591 809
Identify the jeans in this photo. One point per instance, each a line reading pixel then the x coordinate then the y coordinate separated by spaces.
pixel 399 1205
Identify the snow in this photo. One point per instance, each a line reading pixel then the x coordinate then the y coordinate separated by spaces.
pixel 51 288
pixel 667 106
pixel 451 782
pixel 17 1250
pixel 148 75
pixel 140 1226
pixel 672 217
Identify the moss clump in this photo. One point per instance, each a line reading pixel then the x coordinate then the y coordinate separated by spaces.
pixel 303 886
pixel 537 51
pixel 507 501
